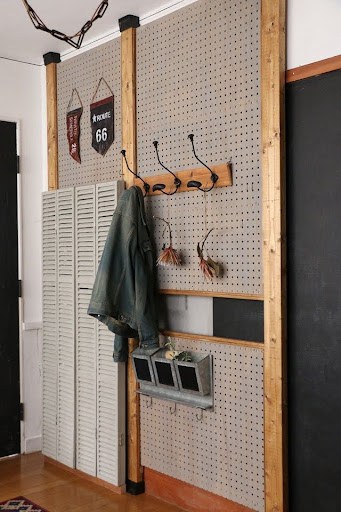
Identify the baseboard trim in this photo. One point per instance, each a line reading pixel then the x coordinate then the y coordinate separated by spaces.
pixel 33 444
pixel 186 496
pixel 93 479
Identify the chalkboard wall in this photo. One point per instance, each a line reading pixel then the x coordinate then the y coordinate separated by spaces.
pixel 238 319
pixel 314 292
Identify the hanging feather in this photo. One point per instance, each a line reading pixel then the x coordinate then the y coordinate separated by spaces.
pixel 169 256
pixel 207 266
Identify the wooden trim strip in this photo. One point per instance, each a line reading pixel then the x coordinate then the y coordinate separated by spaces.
pixel 313 69
pixel 224 171
pixel 273 14
pixel 52 125
pixel 223 295
pixel 213 339
pixel 128 96
pixel 129 143
pixel 80 474
pixel 187 496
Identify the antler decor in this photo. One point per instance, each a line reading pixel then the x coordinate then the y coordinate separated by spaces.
pixel 75 40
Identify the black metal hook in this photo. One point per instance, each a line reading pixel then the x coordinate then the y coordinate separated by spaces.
pixel 146 186
pixel 198 184
pixel 160 186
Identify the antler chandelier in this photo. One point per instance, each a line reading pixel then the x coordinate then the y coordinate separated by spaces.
pixel 75 40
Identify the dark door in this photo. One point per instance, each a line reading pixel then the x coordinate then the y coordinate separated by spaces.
pixel 9 311
pixel 314 292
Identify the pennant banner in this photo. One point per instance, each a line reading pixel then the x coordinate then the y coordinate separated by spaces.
pixel 102 124
pixel 73 132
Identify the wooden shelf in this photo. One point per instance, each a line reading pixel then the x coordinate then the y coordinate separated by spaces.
pixel 224 171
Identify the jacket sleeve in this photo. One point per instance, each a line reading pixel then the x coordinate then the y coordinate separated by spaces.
pixel 120 354
pixel 145 303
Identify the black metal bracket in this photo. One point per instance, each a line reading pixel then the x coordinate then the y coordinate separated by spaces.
pixel 19 288
pixel 135 488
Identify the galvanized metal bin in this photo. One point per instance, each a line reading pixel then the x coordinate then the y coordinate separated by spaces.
pixel 184 382
pixel 142 364
pixel 164 370
pixel 194 376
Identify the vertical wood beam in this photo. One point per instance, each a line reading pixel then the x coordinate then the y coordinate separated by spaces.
pixel 51 60
pixel 128 25
pixel 274 251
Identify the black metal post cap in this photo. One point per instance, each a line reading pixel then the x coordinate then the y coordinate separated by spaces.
pixel 51 57
pixel 129 21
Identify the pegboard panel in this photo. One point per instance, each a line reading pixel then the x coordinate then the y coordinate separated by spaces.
pixel 83 73
pixel 223 453
pixel 198 72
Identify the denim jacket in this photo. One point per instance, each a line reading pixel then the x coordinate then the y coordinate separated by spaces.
pixel 123 296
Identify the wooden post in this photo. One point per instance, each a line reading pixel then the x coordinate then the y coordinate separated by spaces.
pixel 128 25
pixel 274 249
pixel 51 60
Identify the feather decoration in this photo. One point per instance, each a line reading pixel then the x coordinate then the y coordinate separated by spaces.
pixel 169 256
pixel 207 266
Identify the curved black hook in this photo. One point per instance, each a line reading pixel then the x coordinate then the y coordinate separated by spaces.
pixel 146 186
pixel 160 186
pixel 198 184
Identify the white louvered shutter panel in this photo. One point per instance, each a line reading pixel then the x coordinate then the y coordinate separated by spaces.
pixel 110 375
pixel 86 353
pixel 66 328
pixel 49 355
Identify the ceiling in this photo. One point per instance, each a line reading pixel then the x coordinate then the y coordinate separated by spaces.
pixel 19 40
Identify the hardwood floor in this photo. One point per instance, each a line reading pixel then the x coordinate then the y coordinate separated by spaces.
pixel 59 491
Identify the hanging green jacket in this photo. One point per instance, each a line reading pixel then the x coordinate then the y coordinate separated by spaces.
pixel 123 295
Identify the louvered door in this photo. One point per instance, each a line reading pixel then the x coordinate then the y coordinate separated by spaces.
pixel 110 376
pixel 86 344
pixel 66 328
pixel 49 356
pixel 83 390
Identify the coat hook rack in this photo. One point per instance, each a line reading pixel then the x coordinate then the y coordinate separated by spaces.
pixel 197 184
pixel 146 186
pixel 161 186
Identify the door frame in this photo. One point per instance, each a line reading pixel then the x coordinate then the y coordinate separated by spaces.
pixel 20 272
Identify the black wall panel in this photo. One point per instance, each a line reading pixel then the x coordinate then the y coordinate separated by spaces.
pixel 9 309
pixel 238 319
pixel 314 292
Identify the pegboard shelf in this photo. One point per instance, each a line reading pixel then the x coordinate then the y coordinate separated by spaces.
pixel 225 295
pixel 213 339
pixel 224 171
pixel 197 402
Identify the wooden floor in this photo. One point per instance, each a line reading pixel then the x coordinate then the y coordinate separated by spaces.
pixel 59 491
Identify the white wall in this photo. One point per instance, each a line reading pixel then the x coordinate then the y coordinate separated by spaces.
pixel 21 99
pixel 313 31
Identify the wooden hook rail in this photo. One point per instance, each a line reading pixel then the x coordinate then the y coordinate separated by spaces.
pixel 224 171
